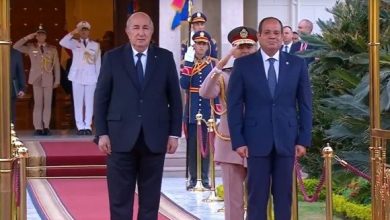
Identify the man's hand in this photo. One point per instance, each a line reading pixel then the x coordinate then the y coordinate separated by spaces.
pixel 55 85
pixel 190 54
pixel 234 51
pixel 172 144
pixel 300 150
pixel 75 31
pixel 31 36
pixel 20 94
pixel 104 144
pixel 242 151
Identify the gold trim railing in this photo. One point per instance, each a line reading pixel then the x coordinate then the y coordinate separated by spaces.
pixel 327 154
pixel 380 175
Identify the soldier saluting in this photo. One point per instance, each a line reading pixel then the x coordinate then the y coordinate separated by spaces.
pixel 44 76
pixel 191 77
pixel 198 23
pixel 83 73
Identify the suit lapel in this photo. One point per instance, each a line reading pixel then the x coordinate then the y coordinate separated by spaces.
pixel 130 65
pixel 151 62
pixel 283 66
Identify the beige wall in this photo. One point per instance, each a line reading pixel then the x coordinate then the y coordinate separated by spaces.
pixel 99 13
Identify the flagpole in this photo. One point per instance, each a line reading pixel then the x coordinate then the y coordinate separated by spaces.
pixel 189 21
pixel 188 45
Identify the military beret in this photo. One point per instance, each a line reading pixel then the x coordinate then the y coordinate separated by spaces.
pixel 201 36
pixel 242 35
pixel 83 24
pixel 198 17
pixel 41 29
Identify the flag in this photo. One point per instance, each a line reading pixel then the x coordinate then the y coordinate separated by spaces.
pixel 132 7
pixel 181 12
pixel 178 4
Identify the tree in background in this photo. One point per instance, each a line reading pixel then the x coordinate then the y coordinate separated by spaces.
pixel 340 83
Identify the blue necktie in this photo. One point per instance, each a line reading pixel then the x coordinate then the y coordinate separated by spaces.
pixel 140 69
pixel 286 48
pixel 272 76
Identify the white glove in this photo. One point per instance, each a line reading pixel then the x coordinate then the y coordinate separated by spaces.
pixel 190 54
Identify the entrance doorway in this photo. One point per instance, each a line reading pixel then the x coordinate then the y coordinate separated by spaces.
pixel 58 18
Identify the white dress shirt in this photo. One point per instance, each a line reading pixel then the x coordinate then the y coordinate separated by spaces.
pixel 266 63
pixel 143 58
pixel 288 47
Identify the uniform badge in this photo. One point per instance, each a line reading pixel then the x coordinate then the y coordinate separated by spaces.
pixel 243 33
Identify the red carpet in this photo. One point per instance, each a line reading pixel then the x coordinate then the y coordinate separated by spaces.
pixel 65 158
pixel 85 199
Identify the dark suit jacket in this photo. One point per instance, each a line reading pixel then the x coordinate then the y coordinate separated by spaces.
pixel 259 121
pixel 295 47
pixel 122 106
pixel 18 79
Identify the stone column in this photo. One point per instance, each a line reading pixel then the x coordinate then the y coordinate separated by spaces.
pixel 250 12
pixel 169 39
pixel 232 15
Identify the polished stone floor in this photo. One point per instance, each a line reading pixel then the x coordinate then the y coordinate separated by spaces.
pixel 174 188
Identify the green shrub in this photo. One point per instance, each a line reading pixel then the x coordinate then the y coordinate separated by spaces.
pixel 219 191
pixel 342 206
pixel 310 186
pixel 357 191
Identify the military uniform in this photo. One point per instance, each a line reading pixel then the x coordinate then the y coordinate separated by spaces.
pixel 192 76
pixel 44 75
pixel 213 49
pixel 83 73
pixel 233 166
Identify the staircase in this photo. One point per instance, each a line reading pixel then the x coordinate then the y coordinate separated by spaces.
pixel 175 164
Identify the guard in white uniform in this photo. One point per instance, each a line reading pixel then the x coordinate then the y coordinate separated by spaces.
pixel 83 73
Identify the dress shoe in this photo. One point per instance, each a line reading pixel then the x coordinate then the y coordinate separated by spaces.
pixel 207 186
pixel 190 187
pixel 81 132
pixel 38 132
pixel 46 132
pixel 88 132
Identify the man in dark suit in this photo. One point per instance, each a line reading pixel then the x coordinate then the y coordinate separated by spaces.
pixel 138 112
pixel 18 80
pixel 270 119
pixel 287 39
pixel 305 27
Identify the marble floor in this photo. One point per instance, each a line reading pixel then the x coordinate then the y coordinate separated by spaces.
pixel 173 188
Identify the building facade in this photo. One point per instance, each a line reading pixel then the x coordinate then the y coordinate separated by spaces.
pixel 224 15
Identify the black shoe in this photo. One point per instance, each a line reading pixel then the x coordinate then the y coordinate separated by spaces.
pixel 81 132
pixel 190 187
pixel 38 132
pixel 87 132
pixel 207 186
pixel 46 132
